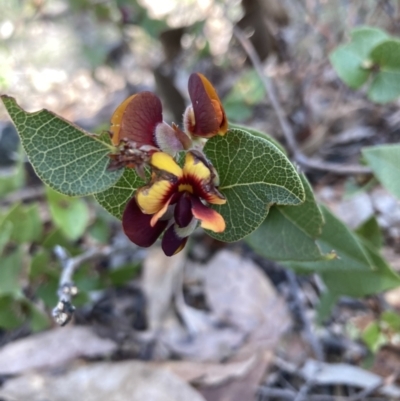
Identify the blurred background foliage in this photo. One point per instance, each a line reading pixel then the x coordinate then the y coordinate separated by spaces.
pixel 81 58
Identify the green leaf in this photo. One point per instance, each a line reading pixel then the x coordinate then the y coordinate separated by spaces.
pixel 348 59
pixel 337 237
pixel 115 198
pixel 70 215
pixel 56 237
pixel 38 318
pixel 11 314
pixel 40 263
pixel 371 232
pixel 100 230
pixel 359 269
pixel 373 337
pixel 14 178
pixel 26 223
pixel 348 66
pixel 10 271
pixel 361 283
pixel 307 216
pixel 6 228
pixel 254 175
pixel 386 84
pixel 123 274
pixel 384 161
pixel 391 319
pixel 289 232
pixel 64 156
pixel 365 38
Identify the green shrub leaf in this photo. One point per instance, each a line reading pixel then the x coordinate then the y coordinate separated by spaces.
pixel 386 85
pixel 10 274
pixel 337 237
pixel 384 161
pixel 348 59
pixel 65 157
pixel 70 215
pixel 361 283
pixel 116 197
pixel 370 231
pixel 289 232
pixel 359 269
pixel 254 175
pixel 26 223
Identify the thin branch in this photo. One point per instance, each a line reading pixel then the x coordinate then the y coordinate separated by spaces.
pixel 299 157
pixel 309 335
pixel 64 309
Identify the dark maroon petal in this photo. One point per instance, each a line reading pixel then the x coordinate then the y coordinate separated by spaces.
pixel 171 242
pixel 140 118
pixel 183 211
pixel 137 227
pixel 206 121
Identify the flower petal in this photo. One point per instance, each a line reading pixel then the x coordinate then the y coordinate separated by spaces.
pixel 136 119
pixel 153 197
pixel 200 173
pixel 171 243
pixel 137 227
pixel 157 216
pixel 209 115
pixel 164 162
pixel 209 218
pixel 183 210
pixel 167 139
pixel 196 167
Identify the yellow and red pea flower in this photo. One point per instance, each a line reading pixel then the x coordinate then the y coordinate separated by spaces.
pixel 206 116
pixel 172 202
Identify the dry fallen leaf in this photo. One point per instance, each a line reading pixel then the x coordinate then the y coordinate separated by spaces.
pixel 52 348
pixel 342 373
pixel 240 294
pixel 133 381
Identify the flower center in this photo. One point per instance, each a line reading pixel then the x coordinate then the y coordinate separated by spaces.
pixel 185 187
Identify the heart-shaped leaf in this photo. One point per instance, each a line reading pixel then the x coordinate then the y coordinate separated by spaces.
pixel 289 232
pixel 116 197
pixel 254 175
pixel 386 85
pixel 348 59
pixel 65 157
pixel 384 161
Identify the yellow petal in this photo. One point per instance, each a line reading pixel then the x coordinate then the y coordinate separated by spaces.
pixel 157 216
pixel 165 162
pixel 195 167
pixel 152 198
